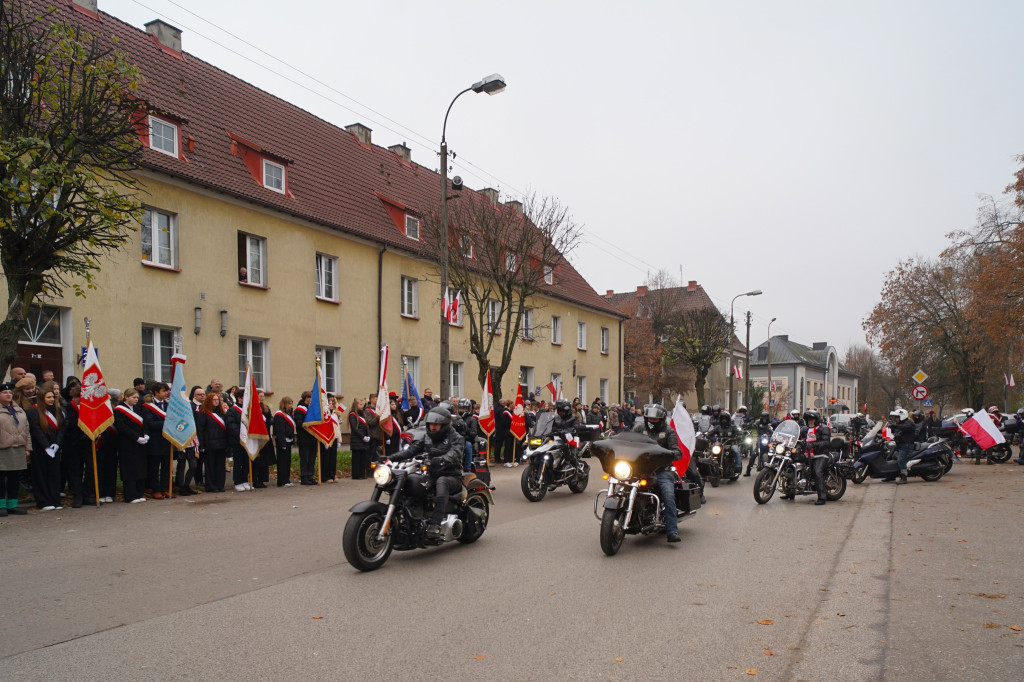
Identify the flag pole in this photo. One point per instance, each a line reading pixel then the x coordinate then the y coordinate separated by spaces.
pixel 95 471
pixel 319 449
pixel 319 445
pixel 170 474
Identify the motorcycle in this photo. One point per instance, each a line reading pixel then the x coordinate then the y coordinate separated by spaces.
pixel 789 470
pixel 629 506
pixel 719 462
pixel 931 459
pixel 375 529
pixel 554 459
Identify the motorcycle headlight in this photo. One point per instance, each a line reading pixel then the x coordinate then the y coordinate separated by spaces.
pixel 716 449
pixel 382 475
pixel 779 449
pixel 764 441
pixel 536 441
pixel 622 470
pixel 748 440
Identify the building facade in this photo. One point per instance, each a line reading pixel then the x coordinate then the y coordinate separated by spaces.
pixel 803 377
pixel 330 230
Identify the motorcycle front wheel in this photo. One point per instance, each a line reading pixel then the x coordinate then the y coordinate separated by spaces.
pixel 579 484
pixel 477 514
pixel 859 475
pixel 764 485
pixel 835 485
pixel 1000 453
pixel 534 488
pixel 948 462
pixel 612 532
pixel 362 548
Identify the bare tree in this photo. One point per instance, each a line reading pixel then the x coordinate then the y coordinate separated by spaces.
pixel 67 146
pixel 498 259
pixel 699 338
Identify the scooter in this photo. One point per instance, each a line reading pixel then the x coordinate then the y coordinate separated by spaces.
pixel 931 459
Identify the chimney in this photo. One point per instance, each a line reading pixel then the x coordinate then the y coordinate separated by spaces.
pixel 516 206
pixel 783 337
pixel 609 293
pixel 692 286
pixel 88 5
pixel 404 153
pixel 165 33
pixel 491 194
pixel 819 345
pixel 641 291
pixel 361 132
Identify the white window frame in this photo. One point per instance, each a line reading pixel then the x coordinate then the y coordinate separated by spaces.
pixel 456 376
pixel 556 330
pixel 511 262
pixel 526 325
pixel 603 391
pixel 549 274
pixel 493 316
pixel 605 340
pixel 412 367
pixel 150 227
pixel 526 376
pixel 159 352
pixel 581 335
pixel 326 277
pixel 414 222
pixel 174 136
pixel 268 164
pixel 581 388
pixel 410 297
pixel 260 362
pixel 330 364
pixel 465 241
pixel 261 270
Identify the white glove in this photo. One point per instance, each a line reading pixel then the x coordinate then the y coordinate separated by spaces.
pixel 366 439
pixel 52 450
pixel 288 440
pixel 147 438
pixel 141 440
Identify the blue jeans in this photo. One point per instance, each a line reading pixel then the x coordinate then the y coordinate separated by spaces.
pixel 667 489
pixel 739 457
pixel 467 460
pixel 903 453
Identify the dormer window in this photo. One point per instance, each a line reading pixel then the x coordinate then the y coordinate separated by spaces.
pixel 466 245
pixel 549 274
pixel 163 136
pixel 273 176
pixel 412 227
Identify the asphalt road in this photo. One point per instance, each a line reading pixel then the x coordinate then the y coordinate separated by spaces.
pixel 918 582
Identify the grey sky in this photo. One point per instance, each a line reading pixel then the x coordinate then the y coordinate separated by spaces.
pixel 802 148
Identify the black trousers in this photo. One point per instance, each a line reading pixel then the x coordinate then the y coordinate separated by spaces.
pixel 329 462
pixel 445 487
pixel 158 478
pixel 693 474
pixel 215 474
pixel 45 472
pixel 80 476
pixel 307 461
pixel 820 465
pixel 186 469
pixel 240 467
pixel 284 464
pixel 360 463
pixel 9 482
pixel 200 468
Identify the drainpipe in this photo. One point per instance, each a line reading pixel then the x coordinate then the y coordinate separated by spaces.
pixel 620 361
pixel 380 297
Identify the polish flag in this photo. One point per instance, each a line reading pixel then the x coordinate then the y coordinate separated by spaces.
pixel 94 412
pixel 887 433
pixel 383 406
pixel 1009 381
pixel 683 425
pixel 486 418
pixel 737 372
pixel 453 307
pixel 983 431
pixel 253 429
pixel 554 389
pixel 446 307
pixel 518 427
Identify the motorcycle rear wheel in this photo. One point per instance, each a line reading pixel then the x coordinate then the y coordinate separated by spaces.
pixel 478 502
pixel 859 475
pixel 534 489
pixel 612 532
pixel 835 486
pixel 764 485
pixel 362 549
pixel 579 484
pixel 1000 453
pixel 948 462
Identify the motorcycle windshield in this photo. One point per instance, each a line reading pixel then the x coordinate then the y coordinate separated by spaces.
pixel 543 427
pixel 869 437
pixel 787 433
pixel 643 454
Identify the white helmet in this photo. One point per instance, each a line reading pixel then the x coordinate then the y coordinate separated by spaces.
pixel 899 414
pixel 968 411
pixel 994 408
pixel 859 415
pixel 743 408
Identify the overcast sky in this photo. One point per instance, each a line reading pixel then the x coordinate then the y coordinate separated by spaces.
pixel 801 148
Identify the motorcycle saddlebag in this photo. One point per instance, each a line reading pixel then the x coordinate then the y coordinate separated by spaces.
pixel 588 433
pixel 481 469
pixel 687 497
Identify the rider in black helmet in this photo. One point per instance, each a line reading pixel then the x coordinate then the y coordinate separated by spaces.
pixel 472 431
pixel 655 426
pixel 816 436
pixel 444 449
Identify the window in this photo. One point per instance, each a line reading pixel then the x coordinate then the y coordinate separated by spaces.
pixel 273 176
pixel 254 352
pixel 252 255
pixel 511 262
pixel 410 297
pixel 581 335
pixel 556 330
pixel 549 274
pixel 526 378
pixel 494 316
pixel 604 391
pixel 581 389
pixel 329 364
pixel 526 326
pixel 42 326
pixel 728 366
pixel 326 277
pixel 466 245
pixel 604 340
pixel 157 349
pixel 412 368
pixel 163 136
pixel 412 227
pixel 159 238
pixel 455 374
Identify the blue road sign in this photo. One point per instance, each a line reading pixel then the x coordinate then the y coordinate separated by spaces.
pixel 928 402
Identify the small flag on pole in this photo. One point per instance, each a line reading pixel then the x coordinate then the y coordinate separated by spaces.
pixel 253 429
pixel 737 372
pixel 486 419
pixel 94 413
pixel 984 431
pixel 409 390
pixel 180 422
pixel 518 427
pixel 383 407
pixel 683 426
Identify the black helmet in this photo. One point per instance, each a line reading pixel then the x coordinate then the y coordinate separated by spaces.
pixel 917 415
pixel 654 415
pixel 438 415
pixel 447 405
pixel 716 408
pixel 562 406
pixel 705 409
pixel 812 414
pixel 764 418
pixel 724 419
pixel 465 404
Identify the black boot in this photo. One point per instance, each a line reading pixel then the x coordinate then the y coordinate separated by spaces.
pixel 903 478
pixel 820 501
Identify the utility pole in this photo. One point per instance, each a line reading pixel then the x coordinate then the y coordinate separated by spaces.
pixel 747 375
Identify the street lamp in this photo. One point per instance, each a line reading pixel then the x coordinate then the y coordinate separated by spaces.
pixel 770 406
pixel 491 85
pixel 732 323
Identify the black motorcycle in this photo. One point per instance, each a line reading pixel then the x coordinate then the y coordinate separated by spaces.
pixel 556 459
pixel 631 504
pixel 717 462
pixel 790 470
pixel 376 528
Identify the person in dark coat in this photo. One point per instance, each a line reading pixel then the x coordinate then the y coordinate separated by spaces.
pixel 239 457
pixel 261 465
pixel 196 397
pixel 77 459
pixel 46 428
pixel 131 447
pixel 284 436
pixel 359 433
pixel 158 450
pixel 306 441
pixel 329 455
pixel 211 427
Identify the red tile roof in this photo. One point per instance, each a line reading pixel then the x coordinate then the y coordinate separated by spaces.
pixel 332 177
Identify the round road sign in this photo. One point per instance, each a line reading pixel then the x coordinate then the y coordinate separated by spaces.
pixel 919 392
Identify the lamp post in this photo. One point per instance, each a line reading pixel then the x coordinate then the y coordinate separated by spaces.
pixel 770 406
pixel 492 85
pixel 732 326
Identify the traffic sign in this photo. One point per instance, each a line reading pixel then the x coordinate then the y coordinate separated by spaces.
pixel 919 392
pixel 919 376
pixel 928 403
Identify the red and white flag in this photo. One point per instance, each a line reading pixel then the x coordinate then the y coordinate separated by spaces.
pixel 94 411
pixel 737 372
pixel 887 433
pixel 486 417
pixel 1009 381
pixel 383 406
pixel 253 430
pixel 450 305
pixel 518 427
pixel 984 431
pixel 554 389
pixel 683 425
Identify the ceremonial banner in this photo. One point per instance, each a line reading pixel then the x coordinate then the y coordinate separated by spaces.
pixel 486 417
pixel 94 411
pixel 253 429
pixel 383 407
pixel 180 421
pixel 518 427
pixel 318 415
pixel 683 426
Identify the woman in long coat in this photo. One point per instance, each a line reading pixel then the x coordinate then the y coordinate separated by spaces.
pixel 46 427
pixel 131 447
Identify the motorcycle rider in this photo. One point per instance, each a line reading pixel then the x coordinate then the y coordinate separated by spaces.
pixel 703 423
pixel 764 430
pixel 904 432
pixel 725 429
pixel 565 421
pixel 472 427
pixel 857 424
pixel 1019 421
pixel 444 448
pixel 920 430
pixel 795 416
pixel 655 426
pixel 742 416
pixel 816 436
